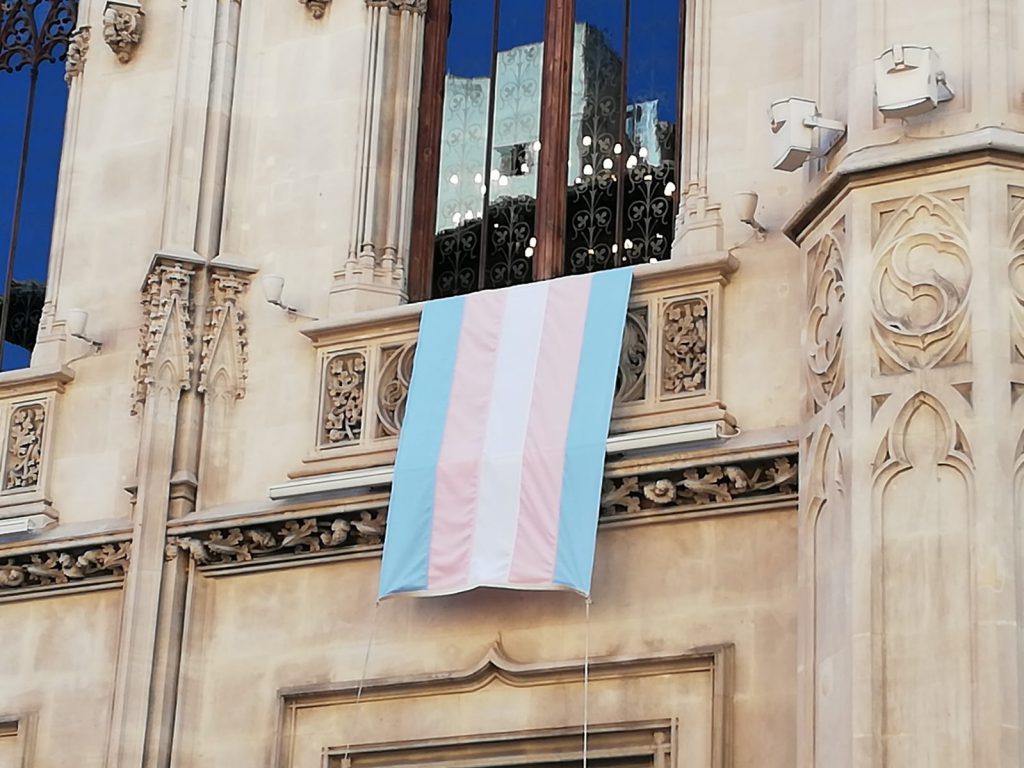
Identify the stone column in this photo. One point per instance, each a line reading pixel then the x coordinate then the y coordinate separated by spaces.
pixel 373 273
pixel 910 548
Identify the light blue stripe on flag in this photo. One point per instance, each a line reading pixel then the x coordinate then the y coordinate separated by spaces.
pixel 588 428
pixel 410 512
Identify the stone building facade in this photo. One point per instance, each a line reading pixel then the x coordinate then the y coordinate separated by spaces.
pixel 810 546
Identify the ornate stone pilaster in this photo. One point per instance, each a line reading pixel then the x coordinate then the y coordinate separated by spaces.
pixel 910 565
pixel 373 272
pixel 123 24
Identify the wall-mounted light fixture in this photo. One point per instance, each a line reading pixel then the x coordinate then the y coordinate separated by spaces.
pixel 75 321
pixel 746 211
pixel 273 288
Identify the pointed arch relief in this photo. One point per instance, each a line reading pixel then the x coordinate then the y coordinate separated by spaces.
pixel 923 498
pixel 920 287
pixel 1016 271
pixel 826 293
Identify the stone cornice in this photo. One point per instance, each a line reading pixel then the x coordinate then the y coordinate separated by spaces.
pixel 906 158
pixel 34 381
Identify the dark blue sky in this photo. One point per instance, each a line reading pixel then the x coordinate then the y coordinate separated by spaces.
pixel 654 39
pixel 41 177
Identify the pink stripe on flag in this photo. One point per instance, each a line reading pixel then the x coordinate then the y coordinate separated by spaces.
pixel 533 557
pixel 457 486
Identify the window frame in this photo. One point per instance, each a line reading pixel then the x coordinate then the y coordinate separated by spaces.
pixel 556 87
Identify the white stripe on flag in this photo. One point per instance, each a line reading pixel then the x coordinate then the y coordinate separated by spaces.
pixel 509 415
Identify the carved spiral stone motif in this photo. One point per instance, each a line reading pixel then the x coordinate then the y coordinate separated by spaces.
pixel 824 336
pixel 393 389
pixel 920 286
pixel 632 377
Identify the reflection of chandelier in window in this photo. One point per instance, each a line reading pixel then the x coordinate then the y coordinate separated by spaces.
pixel 32 33
pixel 603 191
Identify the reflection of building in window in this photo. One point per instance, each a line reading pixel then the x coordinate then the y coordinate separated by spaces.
pixel 465 169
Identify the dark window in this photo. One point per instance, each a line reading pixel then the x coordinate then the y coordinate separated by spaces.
pixel 548 141
pixel 33 42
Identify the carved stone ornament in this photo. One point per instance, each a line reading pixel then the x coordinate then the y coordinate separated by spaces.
pixel 344 395
pixel 317 8
pixel 824 334
pixel 920 285
pixel 295 537
pixel 1016 270
pixel 631 382
pixel 123 23
pixel 63 567
pixel 165 345
pixel 393 388
pixel 25 447
pixel 223 363
pixel 684 367
pixel 697 488
pixel 78 48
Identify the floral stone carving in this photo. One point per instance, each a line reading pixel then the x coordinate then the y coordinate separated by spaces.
pixel 344 391
pixel 684 367
pixel 294 537
pixel 41 569
pixel 699 487
pixel 25 447
pixel 224 357
pixel 78 49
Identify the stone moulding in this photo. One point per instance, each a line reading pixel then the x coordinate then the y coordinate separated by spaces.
pixel 716 485
pixel 63 567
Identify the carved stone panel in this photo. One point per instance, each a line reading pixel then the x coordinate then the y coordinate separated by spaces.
pixel 684 363
pixel 393 387
pixel 631 382
pixel 920 286
pixel 24 455
pixel 343 399
pixel 824 332
pixel 78 49
pixel 1016 270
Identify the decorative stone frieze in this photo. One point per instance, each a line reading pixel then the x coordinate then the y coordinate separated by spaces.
pixel 123 22
pixel 24 447
pixel 78 49
pixel 289 539
pixel 684 367
pixel 344 398
pixel 165 344
pixel 224 357
pixel 63 567
pixel 700 487
pixel 316 8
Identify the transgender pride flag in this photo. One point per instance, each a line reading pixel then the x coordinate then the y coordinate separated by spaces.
pixel 501 455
